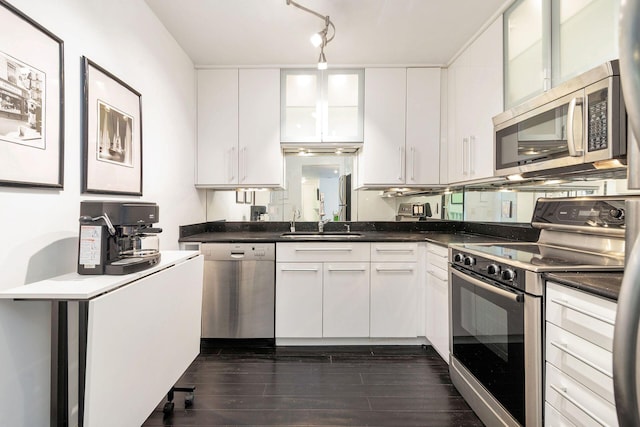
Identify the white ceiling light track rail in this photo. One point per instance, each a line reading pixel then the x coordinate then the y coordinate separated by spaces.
pixel 321 38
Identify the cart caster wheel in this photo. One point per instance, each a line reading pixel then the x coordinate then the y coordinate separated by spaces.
pixel 188 400
pixel 168 408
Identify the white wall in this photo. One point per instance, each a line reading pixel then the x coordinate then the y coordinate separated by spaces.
pixel 39 228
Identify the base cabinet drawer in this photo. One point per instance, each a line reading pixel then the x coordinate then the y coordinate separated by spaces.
pixel 585 315
pixel 581 360
pixel 575 402
pixel 553 418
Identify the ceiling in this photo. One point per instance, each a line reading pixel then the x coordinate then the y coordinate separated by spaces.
pixel 368 32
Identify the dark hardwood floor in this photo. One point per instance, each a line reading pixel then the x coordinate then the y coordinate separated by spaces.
pixel 318 386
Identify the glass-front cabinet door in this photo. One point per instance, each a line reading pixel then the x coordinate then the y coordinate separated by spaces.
pixel 584 35
pixel 526 49
pixel 550 41
pixel 322 106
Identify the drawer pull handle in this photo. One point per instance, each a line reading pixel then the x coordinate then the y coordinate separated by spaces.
pixel 585 312
pixel 563 392
pixel 348 269
pixel 324 249
pixel 437 254
pixel 565 349
pixel 400 270
pixel 434 274
pixel 394 250
pixel 300 269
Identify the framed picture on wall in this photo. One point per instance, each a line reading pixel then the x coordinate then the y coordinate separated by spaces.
pixel 112 124
pixel 31 102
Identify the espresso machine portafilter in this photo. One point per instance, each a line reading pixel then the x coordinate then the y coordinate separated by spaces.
pixel 117 237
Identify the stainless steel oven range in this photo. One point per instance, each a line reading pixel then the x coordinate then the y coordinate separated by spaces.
pixel 496 301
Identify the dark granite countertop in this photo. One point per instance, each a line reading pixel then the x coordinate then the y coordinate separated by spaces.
pixel 440 238
pixel 438 232
pixel 604 284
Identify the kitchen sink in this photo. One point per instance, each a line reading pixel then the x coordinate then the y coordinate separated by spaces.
pixel 306 235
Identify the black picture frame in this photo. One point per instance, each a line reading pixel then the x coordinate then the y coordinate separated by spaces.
pixel 112 133
pixel 32 102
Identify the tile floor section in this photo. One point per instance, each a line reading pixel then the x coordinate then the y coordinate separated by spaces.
pixel 318 386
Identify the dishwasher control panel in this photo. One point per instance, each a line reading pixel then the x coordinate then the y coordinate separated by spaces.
pixel 239 251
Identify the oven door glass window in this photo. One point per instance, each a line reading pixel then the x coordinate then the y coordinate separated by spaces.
pixel 488 338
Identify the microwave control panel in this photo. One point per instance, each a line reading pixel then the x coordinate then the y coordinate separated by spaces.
pixel 597 117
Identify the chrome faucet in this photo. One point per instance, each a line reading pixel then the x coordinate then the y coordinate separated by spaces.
pixel 296 214
pixel 321 224
pixel 348 227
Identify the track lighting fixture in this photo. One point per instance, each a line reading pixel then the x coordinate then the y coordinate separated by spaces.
pixel 321 38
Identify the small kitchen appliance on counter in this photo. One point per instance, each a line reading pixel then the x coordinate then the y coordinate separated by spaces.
pixel 117 237
pixel 413 212
pixel 497 302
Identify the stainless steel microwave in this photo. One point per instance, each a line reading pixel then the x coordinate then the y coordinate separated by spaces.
pixel 578 125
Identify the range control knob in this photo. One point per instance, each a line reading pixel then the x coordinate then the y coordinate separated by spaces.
pixel 493 269
pixel 458 257
pixel 616 213
pixel 469 260
pixel 508 275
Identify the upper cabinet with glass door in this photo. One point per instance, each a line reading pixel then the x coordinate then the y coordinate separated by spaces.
pixel 584 35
pixel 527 51
pixel 322 106
pixel 549 41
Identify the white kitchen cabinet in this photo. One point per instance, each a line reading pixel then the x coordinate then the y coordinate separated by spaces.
pixel 578 358
pixel 394 290
pixel 422 152
pixel 437 299
pixel 217 149
pixel 345 303
pixel 474 97
pixel 260 162
pixel 238 129
pixel 402 127
pixel 382 158
pixel 322 290
pixel 322 106
pixel 299 300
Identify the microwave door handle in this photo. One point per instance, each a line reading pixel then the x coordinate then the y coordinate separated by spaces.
pixel 574 150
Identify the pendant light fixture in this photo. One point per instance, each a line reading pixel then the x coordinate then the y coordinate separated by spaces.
pixel 321 38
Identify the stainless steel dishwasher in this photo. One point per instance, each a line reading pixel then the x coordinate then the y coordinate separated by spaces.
pixel 238 298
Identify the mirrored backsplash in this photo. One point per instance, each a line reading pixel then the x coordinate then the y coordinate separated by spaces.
pixel 322 186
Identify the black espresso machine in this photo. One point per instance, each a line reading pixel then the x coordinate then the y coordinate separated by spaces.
pixel 117 237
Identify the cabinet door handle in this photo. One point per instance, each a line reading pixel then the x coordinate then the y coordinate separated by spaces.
pixel 394 250
pixel 347 269
pixel 465 156
pixel 232 157
pixel 244 164
pixel 565 349
pixel 563 392
pixel 585 312
pixel 401 176
pixel 472 143
pixel 391 270
pixel 323 249
pixel 300 269
pixel 438 254
pixel 413 163
pixel 434 274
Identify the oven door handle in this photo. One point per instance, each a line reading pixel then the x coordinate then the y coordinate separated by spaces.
pixel 512 295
